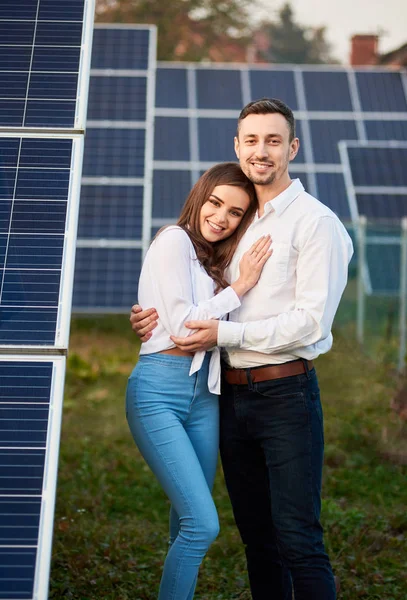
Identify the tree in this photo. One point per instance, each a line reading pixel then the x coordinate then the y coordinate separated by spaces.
pixel 187 29
pixel 289 42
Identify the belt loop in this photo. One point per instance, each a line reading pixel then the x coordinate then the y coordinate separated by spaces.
pixel 305 363
pixel 249 379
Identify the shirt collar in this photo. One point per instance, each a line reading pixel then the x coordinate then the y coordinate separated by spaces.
pixel 283 200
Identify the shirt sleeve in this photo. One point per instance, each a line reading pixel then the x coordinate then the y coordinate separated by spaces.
pixel 322 271
pixel 171 272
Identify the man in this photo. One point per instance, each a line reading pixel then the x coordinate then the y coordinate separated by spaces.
pixel 271 417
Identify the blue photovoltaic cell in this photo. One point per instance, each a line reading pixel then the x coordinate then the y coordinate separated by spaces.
pixel 19 518
pixel 386 279
pixel 120 48
pixel 25 9
pixel 39 63
pixel 171 189
pixel 274 84
pixel 53 10
pixel 17 568
pixel 386 130
pixel 381 91
pixel 325 137
pixel 171 138
pixel 117 98
pixel 332 192
pixel 215 137
pixel 219 88
pixel 378 166
pixel 111 212
pixel 171 88
pixel 106 278
pixel 327 91
pixel 382 206
pixel 114 153
pixel 25 394
pixel 34 187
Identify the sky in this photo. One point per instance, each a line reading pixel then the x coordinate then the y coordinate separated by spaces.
pixel 344 18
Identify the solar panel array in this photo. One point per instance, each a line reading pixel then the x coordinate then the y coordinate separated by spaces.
pixel 196 108
pixel 376 182
pixel 44 71
pixel 115 212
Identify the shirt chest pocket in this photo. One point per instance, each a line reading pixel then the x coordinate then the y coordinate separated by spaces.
pixel 275 271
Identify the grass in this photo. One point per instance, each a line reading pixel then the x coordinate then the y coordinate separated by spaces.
pixel 111 515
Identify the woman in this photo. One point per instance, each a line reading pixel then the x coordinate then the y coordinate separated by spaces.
pixel 172 402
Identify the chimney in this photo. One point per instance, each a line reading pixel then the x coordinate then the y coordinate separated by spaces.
pixel 364 49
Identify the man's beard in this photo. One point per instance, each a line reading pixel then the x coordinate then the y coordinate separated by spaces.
pixel 258 181
pixel 274 175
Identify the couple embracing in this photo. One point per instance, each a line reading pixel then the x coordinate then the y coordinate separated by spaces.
pixel 239 300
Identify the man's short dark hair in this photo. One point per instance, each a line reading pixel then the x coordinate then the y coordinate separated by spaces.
pixel 265 106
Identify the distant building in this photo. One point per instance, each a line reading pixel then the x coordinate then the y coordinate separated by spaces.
pixel 365 51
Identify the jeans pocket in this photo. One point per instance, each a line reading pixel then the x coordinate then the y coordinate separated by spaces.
pixel 284 388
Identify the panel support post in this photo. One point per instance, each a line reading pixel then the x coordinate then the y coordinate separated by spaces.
pixel 403 297
pixel 361 295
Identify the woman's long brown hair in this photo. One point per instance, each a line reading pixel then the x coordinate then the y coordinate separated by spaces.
pixel 216 257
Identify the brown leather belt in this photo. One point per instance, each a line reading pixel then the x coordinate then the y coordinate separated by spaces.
pixel 239 376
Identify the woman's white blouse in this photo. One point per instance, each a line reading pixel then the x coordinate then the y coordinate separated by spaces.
pixel 173 282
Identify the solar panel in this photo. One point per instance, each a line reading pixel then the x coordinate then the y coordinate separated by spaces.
pixel 107 277
pixel 115 214
pixel 327 91
pixel 381 91
pixel 274 84
pixel 376 185
pixel 171 88
pixel 386 130
pixel 332 192
pixel 376 178
pixel 383 261
pixel 41 79
pixel 215 139
pixel 44 69
pixel 170 191
pixel 325 137
pixel 219 88
pixel 39 207
pixel 31 394
pixel 171 139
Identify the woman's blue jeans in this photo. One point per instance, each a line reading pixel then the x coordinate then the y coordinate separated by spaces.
pixel 174 420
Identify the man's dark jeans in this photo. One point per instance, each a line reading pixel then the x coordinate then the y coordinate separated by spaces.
pixel 271 442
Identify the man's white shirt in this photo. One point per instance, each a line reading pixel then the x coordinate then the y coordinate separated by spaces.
pixel 289 313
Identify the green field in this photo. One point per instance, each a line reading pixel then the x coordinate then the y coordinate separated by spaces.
pixel 111 516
